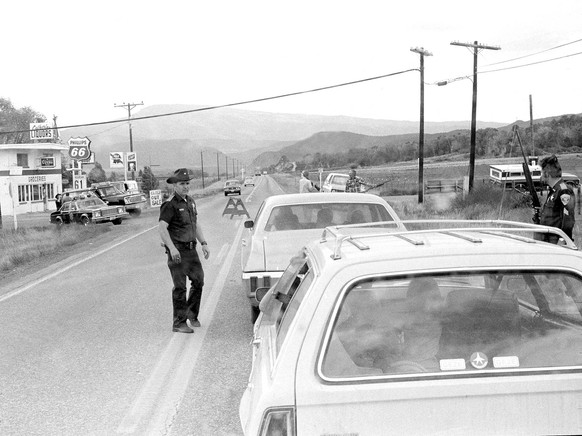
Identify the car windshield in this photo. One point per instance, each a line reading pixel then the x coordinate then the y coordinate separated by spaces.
pixel 109 190
pixel 231 183
pixel 319 216
pixel 475 324
pixel 90 203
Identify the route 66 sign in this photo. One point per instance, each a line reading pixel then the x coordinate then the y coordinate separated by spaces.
pixel 79 148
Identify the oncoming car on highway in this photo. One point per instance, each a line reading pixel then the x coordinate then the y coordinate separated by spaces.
pixel 88 210
pixel 232 187
pixel 450 328
pixel 284 223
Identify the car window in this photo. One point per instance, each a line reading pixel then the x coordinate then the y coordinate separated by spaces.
pixel 280 306
pixel 483 323
pixel 340 180
pixel 321 215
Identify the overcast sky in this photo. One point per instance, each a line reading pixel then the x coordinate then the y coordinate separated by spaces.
pixel 76 61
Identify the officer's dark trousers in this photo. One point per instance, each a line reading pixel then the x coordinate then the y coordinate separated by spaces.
pixel 186 308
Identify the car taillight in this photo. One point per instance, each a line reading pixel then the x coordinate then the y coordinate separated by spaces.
pixel 278 422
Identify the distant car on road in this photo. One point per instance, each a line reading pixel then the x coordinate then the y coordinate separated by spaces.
pixel 88 210
pixel 284 223
pixel 335 182
pixel 232 187
pixel 249 181
pixel 371 333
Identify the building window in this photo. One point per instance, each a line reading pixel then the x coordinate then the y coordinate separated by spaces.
pixel 22 160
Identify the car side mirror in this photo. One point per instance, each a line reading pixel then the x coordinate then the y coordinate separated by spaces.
pixel 249 224
pixel 260 293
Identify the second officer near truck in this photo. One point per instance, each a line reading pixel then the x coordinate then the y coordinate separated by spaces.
pixel 558 210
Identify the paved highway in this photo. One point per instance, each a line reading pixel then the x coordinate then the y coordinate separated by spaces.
pixel 86 345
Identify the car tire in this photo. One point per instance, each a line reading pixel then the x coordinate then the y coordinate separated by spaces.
pixel 85 221
pixel 255 312
pixel 117 221
pixel 59 221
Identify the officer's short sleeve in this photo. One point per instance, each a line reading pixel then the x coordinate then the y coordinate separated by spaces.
pixel 166 212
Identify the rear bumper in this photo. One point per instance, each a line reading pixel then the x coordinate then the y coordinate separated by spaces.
pixel 253 280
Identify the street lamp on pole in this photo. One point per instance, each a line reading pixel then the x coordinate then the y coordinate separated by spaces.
pixel 422 52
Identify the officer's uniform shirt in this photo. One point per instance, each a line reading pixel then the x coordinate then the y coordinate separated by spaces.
pixel 558 210
pixel 180 214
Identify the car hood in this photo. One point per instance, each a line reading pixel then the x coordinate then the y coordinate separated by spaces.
pixel 273 250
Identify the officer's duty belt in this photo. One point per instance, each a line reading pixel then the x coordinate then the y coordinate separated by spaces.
pixel 185 245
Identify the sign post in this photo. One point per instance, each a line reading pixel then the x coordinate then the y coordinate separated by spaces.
pixel 79 150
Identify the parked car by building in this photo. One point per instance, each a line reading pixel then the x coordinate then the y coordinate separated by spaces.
pixel 284 223
pixel 121 193
pixel 377 333
pixel 335 182
pixel 88 209
pixel 232 187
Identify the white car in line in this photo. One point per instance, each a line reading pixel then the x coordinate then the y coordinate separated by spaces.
pixel 284 223
pixel 335 182
pixel 451 328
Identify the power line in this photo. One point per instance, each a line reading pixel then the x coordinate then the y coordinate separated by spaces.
pixel 447 81
pixel 240 103
pixel 534 54
pixel 532 63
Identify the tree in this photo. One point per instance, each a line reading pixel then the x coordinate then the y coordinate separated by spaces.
pixel 148 180
pixel 96 175
pixel 12 119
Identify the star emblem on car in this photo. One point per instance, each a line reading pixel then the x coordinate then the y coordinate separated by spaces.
pixel 479 360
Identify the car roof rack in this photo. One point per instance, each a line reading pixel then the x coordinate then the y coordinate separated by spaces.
pixel 454 228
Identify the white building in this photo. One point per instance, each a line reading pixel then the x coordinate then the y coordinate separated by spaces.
pixel 30 177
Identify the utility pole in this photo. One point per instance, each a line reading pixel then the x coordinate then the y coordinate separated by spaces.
pixel 422 52
pixel 531 126
pixel 129 107
pixel 476 47
pixel 226 166
pixel 217 166
pixel 202 165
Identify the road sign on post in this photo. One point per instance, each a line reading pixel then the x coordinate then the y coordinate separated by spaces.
pixel 79 148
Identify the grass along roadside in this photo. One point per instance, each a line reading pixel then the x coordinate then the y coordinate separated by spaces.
pixel 18 247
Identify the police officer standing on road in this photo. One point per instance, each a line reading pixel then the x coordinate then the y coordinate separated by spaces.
pixel 558 210
pixel 180 232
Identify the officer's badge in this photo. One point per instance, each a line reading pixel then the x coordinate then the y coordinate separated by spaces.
pixel 565 198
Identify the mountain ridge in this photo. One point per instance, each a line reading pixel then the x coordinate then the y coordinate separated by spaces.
pixel 170 135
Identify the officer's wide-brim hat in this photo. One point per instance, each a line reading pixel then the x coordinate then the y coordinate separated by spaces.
pixel 181 175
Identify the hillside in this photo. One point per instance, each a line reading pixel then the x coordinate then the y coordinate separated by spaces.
pixel 167 140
